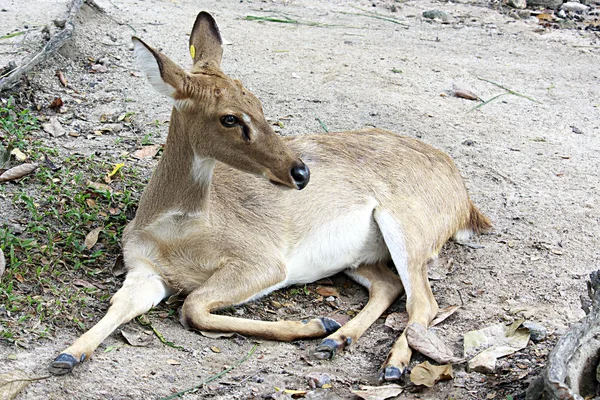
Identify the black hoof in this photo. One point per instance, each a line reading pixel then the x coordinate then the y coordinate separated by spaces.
pixel 390 373
pixel 330 325
pixel 63 364
pixel 326 350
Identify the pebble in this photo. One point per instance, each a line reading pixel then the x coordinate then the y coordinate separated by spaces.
pixel 553 4
pixel 571 6
pixel 520 4
pixel 577 130
pixel 435 14
pixel 321 394
pixel 317 379
pixel 537 331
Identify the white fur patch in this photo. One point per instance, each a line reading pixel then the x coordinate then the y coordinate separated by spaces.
pixel 394 240
pixel 183 104
pixel 246 118
pixel 463 235
pixel 202 169
pixel 345 241
pixel 147 63
pixel 361 280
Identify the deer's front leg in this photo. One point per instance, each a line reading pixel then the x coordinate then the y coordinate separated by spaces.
pixel 384 287
pixel 238 283
pixel 142 289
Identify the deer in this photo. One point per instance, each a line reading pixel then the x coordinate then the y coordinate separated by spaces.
pixel 229 215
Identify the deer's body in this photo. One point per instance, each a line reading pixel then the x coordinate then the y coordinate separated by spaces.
pixel 221 234
pixel 332 227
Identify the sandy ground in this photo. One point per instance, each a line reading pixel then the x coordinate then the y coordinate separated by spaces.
pixel 525 167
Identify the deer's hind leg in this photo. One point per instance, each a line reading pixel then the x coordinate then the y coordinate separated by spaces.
pixel 141 290
pixel 237 283
pixel 384 288
pixel 420 303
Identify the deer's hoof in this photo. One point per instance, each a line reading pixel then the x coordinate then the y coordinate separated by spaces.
pixel 391 373
pixel 327 349
pixel 330 325
pixel 63 364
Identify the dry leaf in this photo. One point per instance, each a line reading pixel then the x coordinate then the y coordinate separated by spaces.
pixel 118 268
pixel 90 202
pixel 146 151
pixel 443 314
pixel 327 291
pixel 4 156
pixel 83 283
pixel 464 94
pixel 2 263
pixel 428 344
pixel 496 341
pixel 54 127
pixel 378 392
pixel 215 349
pixel 13 382
pixel 397 321
pixel 19 277
pixel 56 103
pixel 19 155
pixel 137 340
pixel 99 186
pixel 61 78
pixel 427 375
pixel 17 172
pixel 99 68
pixel 92 237
pixel 173 362
pixel 217 335
pixel 545 17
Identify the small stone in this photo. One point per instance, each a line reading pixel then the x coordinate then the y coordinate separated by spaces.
pixel 330 299
pixel 576 130
pixel 483 363
pixel 537 331
pixel 321 394
pixel 468 142
pixel 317 379
pixel 520 4
pixel 435 14
pixel 571 6
pixel 552 4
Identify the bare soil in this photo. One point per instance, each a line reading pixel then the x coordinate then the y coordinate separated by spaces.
pixel 524 163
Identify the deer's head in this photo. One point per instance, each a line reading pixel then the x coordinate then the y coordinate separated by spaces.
pixel 215 114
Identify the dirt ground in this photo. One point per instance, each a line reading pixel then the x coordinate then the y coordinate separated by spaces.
pixel 530 166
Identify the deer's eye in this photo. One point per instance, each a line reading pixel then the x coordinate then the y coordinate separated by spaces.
pixel 229 121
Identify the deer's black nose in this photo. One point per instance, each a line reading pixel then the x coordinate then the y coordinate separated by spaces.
pixel 301 175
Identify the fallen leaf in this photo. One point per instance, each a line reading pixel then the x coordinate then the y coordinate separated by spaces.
pixel 397 321
pixel 116 169
pixel 118 268
pixel 327 291
pixel 173 362
pixel 493 342
pixel 90 202
pixel 215 349
pixel 545 17
pixel 50 164
pixel 377 392
pixel 61 78
pixel 19 277
pixel 54 127
pixel 92 237
pixel 99 186
pixel 13 382
pixel 465 94
pixel 146 151
pixel 443 314
pixel 137 340
pixel 19 155
pixel 2 263
pixel 83 283
pixel 99 68
pixel 56 103
pixel 18 172
pixel 427 374
pixel 217 335
pixel 428 344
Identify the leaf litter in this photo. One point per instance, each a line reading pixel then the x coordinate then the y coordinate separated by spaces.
pixel 427 374
pixel 378 392
pixel 486 345
pixel 428 344
pixel 11 383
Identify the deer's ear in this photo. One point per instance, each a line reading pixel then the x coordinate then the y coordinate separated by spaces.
pixel 205 40
pixel 164 75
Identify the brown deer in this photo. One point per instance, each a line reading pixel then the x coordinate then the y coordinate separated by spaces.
pixel 209 226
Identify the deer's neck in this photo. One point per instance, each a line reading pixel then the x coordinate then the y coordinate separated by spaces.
pixel 181 182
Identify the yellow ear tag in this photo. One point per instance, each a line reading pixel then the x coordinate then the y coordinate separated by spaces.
pixel 192 51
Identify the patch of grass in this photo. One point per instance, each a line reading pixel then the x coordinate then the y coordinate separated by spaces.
pixel 52 278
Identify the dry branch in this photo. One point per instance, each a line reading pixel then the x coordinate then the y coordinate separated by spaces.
pixel 53 45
